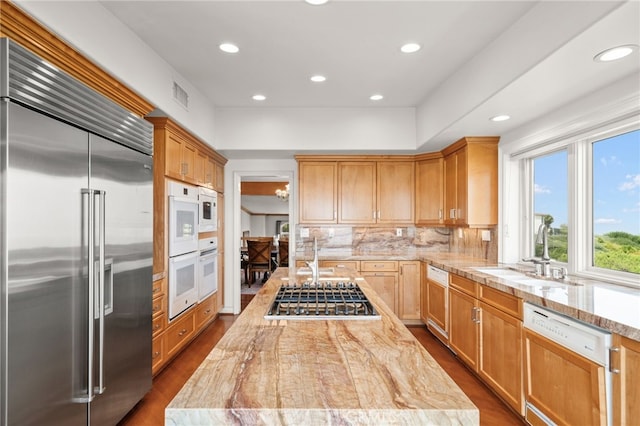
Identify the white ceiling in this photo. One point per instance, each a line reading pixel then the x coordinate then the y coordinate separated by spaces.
pixel 478 58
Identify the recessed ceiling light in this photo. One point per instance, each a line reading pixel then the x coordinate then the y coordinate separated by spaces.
pixel 259 97
pixel 615 53
pixel 318 78
pixel 229 48
pixel 501 117
pixel 376 97
pixel 410 48
pixel 316 2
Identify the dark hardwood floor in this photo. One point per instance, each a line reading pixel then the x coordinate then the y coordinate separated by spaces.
pixel 150 411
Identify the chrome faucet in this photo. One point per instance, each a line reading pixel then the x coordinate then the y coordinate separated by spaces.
pixel 543 265
pixel 314 264
pixel 543 238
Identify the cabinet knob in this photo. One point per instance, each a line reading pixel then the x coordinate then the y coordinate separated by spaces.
pixel 182 332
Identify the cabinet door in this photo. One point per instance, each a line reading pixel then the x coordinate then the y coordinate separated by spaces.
pixel 463 327
pixel 385 284
pixel 189 155
pixel 450 189
pixel 396 191
pixel 461 187
pixel 424 294
pixel 200 168
pixel 219 179
pixel 210 173
pixel 173 156
pixel 500 363
pixel 430 192
pixel 566 387
pixel 409 291
pixel 626 391
pixel 357 192
pixel 317 192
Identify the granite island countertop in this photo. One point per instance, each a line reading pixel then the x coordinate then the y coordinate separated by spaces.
pixel 610 306
pixel 319 372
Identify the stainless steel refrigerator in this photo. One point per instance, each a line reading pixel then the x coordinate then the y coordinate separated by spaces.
pixel 76 249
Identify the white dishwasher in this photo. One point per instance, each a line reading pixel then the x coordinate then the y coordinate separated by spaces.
pixel 567 376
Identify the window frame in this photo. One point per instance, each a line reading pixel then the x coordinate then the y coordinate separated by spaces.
pixel 580 244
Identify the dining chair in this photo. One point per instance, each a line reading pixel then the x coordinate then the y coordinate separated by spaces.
pixel 259 252
pixel 283 252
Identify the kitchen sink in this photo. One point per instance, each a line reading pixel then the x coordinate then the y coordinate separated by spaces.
pixel 524 278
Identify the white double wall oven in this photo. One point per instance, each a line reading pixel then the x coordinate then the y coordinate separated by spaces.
pixel 192 262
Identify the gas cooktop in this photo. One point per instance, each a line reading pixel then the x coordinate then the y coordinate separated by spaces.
pixel 321 301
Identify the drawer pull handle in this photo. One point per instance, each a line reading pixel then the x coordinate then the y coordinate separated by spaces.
pixel 207 311
pixel 156 289
pixel 182 332
pixel 156 327
pixel 156 308
pixel 156 354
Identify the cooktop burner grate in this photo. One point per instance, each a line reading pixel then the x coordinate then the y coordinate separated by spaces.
pixel 323 300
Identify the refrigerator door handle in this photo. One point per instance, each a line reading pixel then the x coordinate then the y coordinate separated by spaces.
pixel 101 271
pixel 89 395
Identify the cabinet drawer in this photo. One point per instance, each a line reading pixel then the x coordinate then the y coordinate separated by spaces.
pixel 206 311
pixel 157 305
pixel 501 300
pixel 158 353
pixel 352 264
pixel 158 288
pixel 158 324
pixel 382 265
pixel 464 285
pixel 179 333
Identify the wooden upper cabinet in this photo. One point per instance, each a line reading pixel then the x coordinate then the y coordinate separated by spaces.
pixel 430 190
pixel 396 191
pixel 357 192
pixel 183 157
pixel 318 191
pixel 471 182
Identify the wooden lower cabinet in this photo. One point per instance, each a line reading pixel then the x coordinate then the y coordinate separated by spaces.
pixel 463 327
pixel 409 291
pixel 206 311
pixel 626 389
pixel 566 387
pixel 158 353
pixel 351 264
pixel 382 276
pixel 180 332
pixel 424 299
pixel 500 357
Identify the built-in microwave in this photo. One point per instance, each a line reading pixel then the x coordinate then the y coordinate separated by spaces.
pixel 208 210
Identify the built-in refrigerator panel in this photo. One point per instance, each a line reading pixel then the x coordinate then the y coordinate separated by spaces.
pixel 75 249
pixel 46 281
pixel 124 178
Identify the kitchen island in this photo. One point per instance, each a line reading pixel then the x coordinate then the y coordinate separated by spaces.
pixel 319 372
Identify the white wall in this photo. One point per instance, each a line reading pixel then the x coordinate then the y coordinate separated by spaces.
pixel 316 129
pixel 98 35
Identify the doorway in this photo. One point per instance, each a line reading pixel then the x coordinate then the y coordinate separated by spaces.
pixel 234 266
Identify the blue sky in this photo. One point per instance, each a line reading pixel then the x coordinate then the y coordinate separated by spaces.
pixel 616 168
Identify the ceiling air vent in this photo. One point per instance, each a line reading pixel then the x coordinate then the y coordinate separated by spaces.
pixel 180 95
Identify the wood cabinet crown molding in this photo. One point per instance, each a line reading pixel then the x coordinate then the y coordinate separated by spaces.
pixel 177 129
pixel 469 140
pixel 30 34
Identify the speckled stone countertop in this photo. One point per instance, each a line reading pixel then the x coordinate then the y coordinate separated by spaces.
pixel 613 307
pixel 319 372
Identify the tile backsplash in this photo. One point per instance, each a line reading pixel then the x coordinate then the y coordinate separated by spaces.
pixel 363 240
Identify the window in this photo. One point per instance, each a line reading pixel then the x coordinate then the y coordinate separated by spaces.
pixel 616 203
pixel 586 190
pixel 550 206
